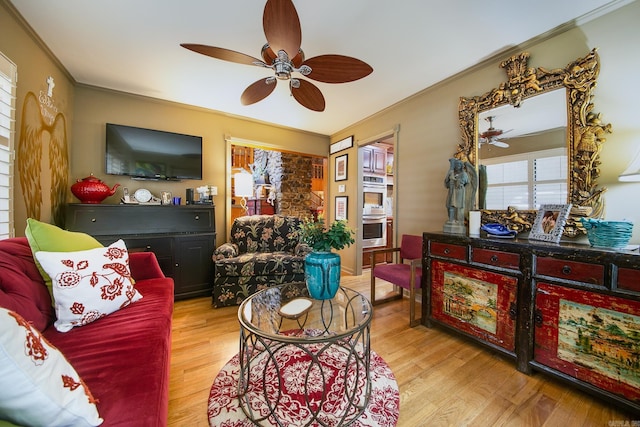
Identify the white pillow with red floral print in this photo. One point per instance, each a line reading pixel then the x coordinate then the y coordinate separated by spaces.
pixel 90 284
pixel 38 386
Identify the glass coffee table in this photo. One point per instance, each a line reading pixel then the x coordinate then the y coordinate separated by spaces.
pixel 304 361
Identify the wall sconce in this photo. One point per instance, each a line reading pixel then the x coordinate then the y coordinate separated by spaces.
pixel 243 187
pixel 632 172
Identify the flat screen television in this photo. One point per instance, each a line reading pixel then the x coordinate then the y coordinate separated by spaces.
pixel 152 154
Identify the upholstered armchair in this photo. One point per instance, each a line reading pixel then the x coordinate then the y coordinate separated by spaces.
pixel 263 251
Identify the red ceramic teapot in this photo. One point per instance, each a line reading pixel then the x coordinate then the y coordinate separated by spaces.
pixel 92 190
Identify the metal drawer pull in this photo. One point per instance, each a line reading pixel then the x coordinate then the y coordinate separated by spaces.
pixel 93 220
pixel 566 270
pixel 446 251
pixel 197 217
pixel 494 258
pixel 148 248
pixel 537 318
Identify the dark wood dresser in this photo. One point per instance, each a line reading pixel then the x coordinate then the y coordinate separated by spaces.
pixel 569 311
pixel 182 237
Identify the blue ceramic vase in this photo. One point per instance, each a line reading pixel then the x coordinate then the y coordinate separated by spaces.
pixel 322 274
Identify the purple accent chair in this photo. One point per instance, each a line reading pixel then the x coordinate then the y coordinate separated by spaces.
pixel 405 274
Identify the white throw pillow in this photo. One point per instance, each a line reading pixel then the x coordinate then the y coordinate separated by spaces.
pixel 38 386
pixel 90 284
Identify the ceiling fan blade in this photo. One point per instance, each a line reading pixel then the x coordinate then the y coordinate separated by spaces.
pixel 282 27
pixel 500 144
pixel 308 95
pixel 258 91
pixel 337 68
pixel 224 54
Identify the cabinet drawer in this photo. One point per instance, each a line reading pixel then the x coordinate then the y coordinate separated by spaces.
pixel 570 270
pixel 497 258
pixel 101 220
pixel 629 279
pixel 448 250
pixel 161 246
pixel 194 220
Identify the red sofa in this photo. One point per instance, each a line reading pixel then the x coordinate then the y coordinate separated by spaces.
pixel 124 357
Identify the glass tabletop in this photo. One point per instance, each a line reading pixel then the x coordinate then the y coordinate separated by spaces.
pixel 287 313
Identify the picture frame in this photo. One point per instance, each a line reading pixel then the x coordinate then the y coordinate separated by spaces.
pixel 166 198
pixel 343 144
pixel 342 203
pixel 549 223
pixel 341 168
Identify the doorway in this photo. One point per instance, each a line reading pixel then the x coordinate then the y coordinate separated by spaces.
pixel 302 193
pixel 377 196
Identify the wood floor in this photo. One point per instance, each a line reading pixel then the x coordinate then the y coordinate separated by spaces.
pixel 444 380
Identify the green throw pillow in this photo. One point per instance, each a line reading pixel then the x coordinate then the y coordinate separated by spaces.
pixel 49 238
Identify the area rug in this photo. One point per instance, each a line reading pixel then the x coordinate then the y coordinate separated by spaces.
pixel 382 410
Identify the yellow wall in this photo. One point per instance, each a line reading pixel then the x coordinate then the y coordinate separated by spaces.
pixel 34 66
pixel 427 122
pixel 87 109
pixel 95 107
pixel 429 130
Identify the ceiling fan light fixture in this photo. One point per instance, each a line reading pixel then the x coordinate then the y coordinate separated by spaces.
pixel 305 70
pixel 282 54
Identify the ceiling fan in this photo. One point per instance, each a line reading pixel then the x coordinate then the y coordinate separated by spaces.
pixel 283 55
pixel 490 136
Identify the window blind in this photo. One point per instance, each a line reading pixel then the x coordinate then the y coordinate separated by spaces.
pixel 527 180
pixel 8 77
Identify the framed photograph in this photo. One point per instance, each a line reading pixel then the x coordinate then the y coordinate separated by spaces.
pixel 341 168
pixel 341 208
pixel 549 223
pixel 341 145
pixel 166 198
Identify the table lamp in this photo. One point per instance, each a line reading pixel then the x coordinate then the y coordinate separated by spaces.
pixel 632 172
pixel 243 187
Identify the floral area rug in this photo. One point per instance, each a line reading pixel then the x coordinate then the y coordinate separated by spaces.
pixel 297 403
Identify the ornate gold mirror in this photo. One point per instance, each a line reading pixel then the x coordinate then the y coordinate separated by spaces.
pixel 584 134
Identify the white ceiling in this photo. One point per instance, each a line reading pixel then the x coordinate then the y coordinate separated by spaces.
pixel 134 46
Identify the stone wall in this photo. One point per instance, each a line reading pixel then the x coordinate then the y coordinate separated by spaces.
pixel 295 189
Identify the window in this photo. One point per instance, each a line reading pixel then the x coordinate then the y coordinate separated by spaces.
pixel 8 76
pixel 527 180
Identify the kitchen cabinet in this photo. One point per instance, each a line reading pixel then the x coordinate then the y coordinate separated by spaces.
pixel 181 237
pixel 374 160
pixel 567 310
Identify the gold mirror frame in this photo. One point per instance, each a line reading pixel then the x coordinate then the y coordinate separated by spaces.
pixel 585 132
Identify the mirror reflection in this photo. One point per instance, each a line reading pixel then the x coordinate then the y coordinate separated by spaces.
pixel 522 153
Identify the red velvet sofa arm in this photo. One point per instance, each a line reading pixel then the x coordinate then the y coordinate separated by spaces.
pixel 144 265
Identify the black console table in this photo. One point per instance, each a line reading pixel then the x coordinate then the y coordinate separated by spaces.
pixel 181 237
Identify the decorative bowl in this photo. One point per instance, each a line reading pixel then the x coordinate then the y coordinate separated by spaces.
pixel 498 230
pixel 607 234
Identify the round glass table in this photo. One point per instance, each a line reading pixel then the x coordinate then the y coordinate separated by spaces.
pixel 304 361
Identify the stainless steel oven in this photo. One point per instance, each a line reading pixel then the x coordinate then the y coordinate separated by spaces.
pixel 374 191
pixel 374 218
pixel 374 231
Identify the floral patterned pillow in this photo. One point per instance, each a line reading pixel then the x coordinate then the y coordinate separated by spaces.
pixel 88 285
pixel 38 386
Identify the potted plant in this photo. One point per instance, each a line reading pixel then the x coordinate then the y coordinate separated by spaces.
pixel 322 266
